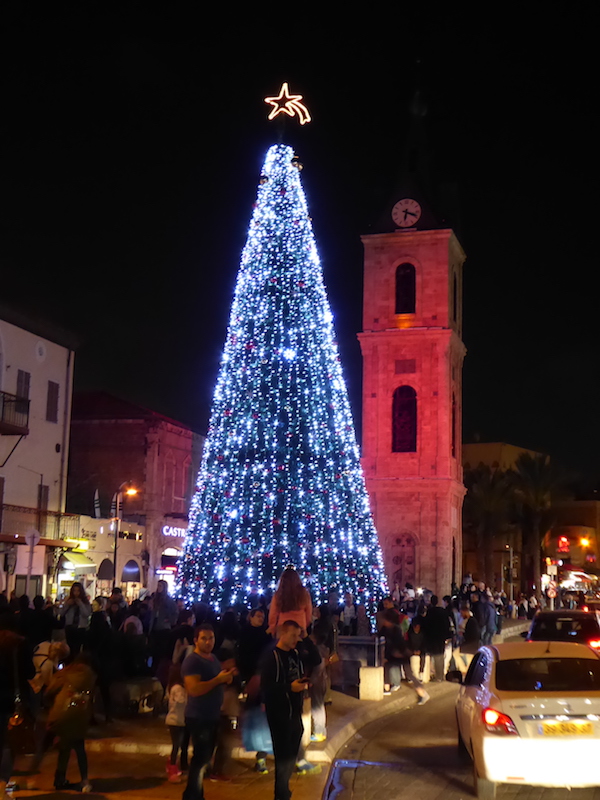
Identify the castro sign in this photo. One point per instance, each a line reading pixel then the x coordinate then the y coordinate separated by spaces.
pixel 168 530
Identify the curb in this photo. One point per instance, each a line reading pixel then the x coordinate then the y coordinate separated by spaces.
pixel 356 720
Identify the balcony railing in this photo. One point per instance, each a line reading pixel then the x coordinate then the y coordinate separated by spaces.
pixel 17 520
pixel 14 415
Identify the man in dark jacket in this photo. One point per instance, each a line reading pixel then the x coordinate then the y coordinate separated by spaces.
pixel 470 639
pixel 436 627
pixel 397 655
pixel 487 619
pixel 283 684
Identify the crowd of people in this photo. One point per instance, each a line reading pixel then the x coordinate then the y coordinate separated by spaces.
pixel 59 660
pixel 268 668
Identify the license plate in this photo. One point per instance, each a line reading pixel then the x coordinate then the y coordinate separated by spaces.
pixel 567 729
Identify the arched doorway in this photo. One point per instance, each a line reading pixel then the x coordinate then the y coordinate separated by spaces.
pixel 131 580
pixel 168 567
pixel 104 578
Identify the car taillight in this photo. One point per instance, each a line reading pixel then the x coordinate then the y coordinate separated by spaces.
pixel 585 608
pixel 595 643
pixel 497 722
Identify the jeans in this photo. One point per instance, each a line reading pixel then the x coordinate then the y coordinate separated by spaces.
pixel 180 739
pixel 287 735
pixel 226 741
pixel 65 745
pixel 317 698
pixel 204 738
pixel 438 665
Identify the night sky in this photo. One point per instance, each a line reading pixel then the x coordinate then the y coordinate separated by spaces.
pixel 132 137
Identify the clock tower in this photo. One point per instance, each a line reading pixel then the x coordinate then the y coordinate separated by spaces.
pixel 413 354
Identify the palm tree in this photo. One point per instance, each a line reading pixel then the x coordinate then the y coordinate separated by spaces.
pixel 536 482
pixel 486 512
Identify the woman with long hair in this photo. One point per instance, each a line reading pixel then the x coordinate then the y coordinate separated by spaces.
pixel 291 601
pixel 76 612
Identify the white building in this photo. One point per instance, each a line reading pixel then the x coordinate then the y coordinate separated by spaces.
pixel 91 562
pixel 36 380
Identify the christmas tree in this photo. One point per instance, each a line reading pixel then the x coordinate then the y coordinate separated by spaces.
pixel 280 481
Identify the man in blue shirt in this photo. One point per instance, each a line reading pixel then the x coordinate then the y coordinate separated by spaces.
pixel 204 679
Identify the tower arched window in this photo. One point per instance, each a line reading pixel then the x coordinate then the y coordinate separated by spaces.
pixel 404 420
pixel 405 289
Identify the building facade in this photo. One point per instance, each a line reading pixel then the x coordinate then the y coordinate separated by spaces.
pixel 92 557
pixel 36 380
pixel 412 396
pixel 115 444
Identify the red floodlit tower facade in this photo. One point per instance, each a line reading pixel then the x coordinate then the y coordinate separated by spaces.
pixel 412 395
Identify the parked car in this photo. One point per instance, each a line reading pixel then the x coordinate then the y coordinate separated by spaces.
pixel 529 713
pixel 564 625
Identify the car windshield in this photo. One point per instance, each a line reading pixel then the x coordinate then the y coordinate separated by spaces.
pixel 565 629
pixel 548 675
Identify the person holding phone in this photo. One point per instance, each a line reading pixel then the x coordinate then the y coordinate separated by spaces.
pixel 204 680
pixel 283 684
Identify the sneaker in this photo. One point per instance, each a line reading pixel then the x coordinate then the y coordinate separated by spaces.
pixel 173 773
pixel 218 778
pixel 424 698
pixel 304 767
pixel 395 688
pixel 318 737
pixel 387 692
pixel 86 787
pixel 261 766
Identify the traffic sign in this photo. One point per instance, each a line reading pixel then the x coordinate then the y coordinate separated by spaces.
pixel 552 585
pixel 551 593
pixel 32 537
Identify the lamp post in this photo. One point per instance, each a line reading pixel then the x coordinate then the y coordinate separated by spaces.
pixel 511 578
pixel 130 492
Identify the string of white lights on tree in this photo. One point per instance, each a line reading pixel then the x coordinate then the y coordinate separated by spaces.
pixel 280 481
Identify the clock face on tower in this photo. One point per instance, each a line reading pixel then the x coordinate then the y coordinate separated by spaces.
pixel 406 213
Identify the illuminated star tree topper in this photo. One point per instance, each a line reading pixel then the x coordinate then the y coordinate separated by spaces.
pixel 280 481
pixel 286 103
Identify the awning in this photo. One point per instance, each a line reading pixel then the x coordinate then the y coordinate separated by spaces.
pixel 80 562
pixel 106 571
pixel 131 572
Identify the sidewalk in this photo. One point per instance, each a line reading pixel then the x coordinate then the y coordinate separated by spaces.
pixel 130 761
pixel 127 758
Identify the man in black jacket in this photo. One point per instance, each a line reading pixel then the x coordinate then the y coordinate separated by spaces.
pixel 283 684
pixel 397 655
pixel 436 627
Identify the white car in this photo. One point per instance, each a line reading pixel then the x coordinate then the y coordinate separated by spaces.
pixel 529 713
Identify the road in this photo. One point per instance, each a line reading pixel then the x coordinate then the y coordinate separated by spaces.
pixel 413 755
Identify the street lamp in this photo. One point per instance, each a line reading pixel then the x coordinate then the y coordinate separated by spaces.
pixel 129 492
pixel 510 575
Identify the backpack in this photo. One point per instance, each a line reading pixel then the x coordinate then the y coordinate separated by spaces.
pixel 72 709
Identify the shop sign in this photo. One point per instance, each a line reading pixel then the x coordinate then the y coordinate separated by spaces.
pixel 168 530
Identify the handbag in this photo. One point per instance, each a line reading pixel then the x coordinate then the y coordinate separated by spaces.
pixel 21 722
pixel 256 735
